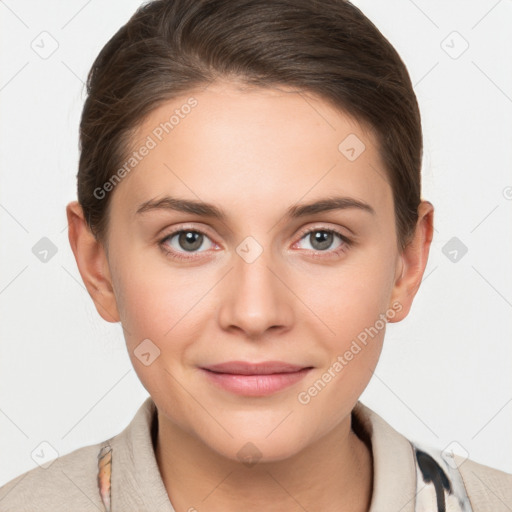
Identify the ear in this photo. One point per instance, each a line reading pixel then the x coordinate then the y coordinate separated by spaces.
pixel 92 263
pixel 412 262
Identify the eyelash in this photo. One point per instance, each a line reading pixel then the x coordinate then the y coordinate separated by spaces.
pixel 316 254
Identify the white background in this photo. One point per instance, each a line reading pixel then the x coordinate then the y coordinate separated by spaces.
pixel 445 372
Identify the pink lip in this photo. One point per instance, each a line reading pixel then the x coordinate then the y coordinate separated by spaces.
pixel 255 379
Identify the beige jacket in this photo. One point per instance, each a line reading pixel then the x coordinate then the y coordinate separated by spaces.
pixel 405 479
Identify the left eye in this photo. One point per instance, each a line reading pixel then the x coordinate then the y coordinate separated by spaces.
pixel 322 239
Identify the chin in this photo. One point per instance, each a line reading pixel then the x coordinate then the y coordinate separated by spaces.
pixel 251 447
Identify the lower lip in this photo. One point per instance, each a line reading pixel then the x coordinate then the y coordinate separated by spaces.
pixel 255 385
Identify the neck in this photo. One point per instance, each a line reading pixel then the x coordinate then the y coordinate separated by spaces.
pixel 335 473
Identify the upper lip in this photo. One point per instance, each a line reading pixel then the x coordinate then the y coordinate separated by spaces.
pixel 246 368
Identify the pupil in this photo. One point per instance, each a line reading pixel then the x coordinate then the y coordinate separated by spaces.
pixel 322 240
pixel 190 237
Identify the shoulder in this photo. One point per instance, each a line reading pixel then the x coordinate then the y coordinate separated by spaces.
pixel 489 489
pixel 429 474
pixel 72 481
pixel 67 482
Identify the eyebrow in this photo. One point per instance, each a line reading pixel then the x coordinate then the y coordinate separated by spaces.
pixel 209 210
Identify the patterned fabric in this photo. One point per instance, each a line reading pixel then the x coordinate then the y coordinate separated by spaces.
pixel 104 475
pixel 439 486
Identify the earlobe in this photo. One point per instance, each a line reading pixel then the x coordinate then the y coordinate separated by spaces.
pixel 413 261
pixel 92 263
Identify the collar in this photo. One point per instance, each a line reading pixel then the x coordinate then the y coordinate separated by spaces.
pixel 136 480
pixel 394 465
pixel 136 483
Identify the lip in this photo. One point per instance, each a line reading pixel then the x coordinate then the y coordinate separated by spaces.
pixel 255 379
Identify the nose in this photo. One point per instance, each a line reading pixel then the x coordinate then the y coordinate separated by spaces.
pixel 255 297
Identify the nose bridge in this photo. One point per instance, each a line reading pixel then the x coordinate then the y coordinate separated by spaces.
pixel 255 298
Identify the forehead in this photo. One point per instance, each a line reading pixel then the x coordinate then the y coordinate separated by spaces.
pixel 253 146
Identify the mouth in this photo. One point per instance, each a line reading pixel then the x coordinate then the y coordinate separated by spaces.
pixel 255 379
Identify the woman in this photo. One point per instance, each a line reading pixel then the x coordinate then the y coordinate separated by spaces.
pixel 282 141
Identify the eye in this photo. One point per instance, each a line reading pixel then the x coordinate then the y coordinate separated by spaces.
pixel 322 239
pixel 178 243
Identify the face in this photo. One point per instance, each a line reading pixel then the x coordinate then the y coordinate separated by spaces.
pixel 270 280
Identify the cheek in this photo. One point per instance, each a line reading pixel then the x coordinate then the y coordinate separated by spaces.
pixel 353 298
pixel 154 316
pixel 165 306
pixel 150 297
pixel 353 306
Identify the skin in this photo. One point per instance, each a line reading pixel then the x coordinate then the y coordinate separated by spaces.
pixel 254 153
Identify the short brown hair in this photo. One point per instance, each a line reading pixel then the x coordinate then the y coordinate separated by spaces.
pixel 325 47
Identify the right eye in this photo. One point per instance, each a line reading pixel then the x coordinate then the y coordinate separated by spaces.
pixel 183 241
